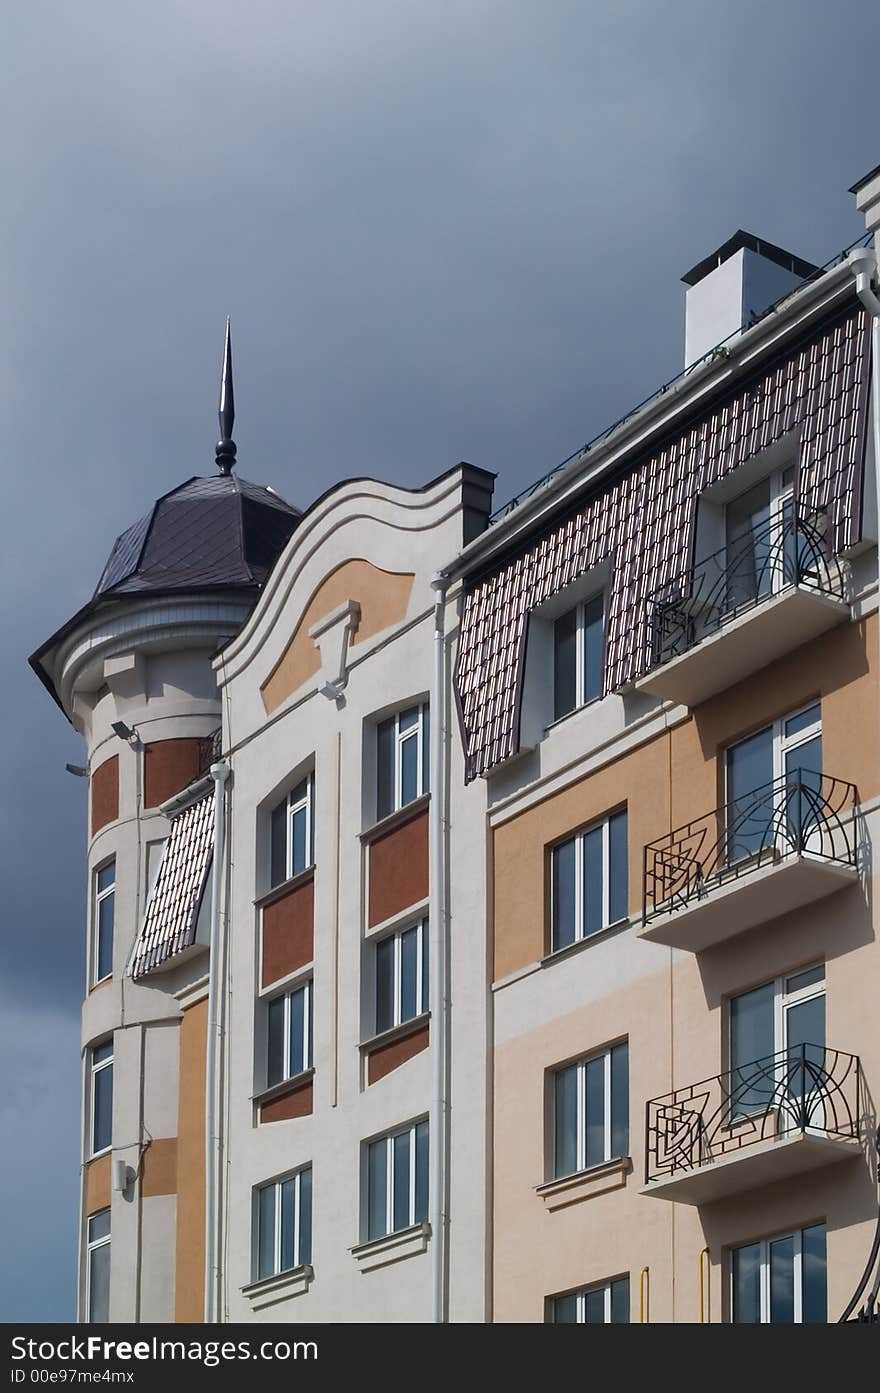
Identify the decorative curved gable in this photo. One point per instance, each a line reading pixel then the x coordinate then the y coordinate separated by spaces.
pixel 383 597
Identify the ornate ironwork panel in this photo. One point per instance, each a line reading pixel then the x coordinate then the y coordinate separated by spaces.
pixel 807 814
pixel 806 1088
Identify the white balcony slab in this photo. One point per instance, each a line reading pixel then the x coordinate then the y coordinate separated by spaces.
pixel 752 898
pixel 753 1166
pixel 744 645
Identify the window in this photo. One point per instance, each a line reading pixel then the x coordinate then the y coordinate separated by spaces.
pixel 578 656
pixel 607 1304
pixel 402 772
pixel 774 779
pixel 284 1224
pixel 293 832
pixel 103 911
pixel 590 881
pixel 781 1281
pixel 290 1034
pixel 101 1111
pixel 98 1268
pixel 765 549
pixel 591 1111
pixel 402 976
pixel 397 1181
pixel 777 1040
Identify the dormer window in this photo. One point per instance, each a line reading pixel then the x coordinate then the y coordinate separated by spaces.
pixel 578 655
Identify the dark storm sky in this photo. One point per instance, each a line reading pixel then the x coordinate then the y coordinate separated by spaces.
pixel 443 231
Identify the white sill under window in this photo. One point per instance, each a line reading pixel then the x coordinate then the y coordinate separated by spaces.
pixel 583 1185
pixel 282 1287
pixel 575 711
pixel 105 1151
pixel 393 1247
pixel 556 953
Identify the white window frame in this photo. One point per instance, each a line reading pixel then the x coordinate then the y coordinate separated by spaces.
pixel 388 1138
pixel 583 1292
pixel 397 976
pixel 307 985
pixel 580 699
pixel 400 737
pixel 91 1246
pixel 307 802
pixel 580 934
pixel 96 1068
pixel 764 1268
pixel 581 1118
pixel 277 1269
pixel 781 492
pixel 782 745
pixel 98 898
pixel 783 1000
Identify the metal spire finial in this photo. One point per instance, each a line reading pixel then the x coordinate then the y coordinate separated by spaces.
pixel 225 453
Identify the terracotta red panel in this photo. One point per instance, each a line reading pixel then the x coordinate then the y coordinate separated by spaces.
pixel 105 793
pixel 399 868
pixel 299 1102
pixel 288 932
pixel 391 1056
pixel 169 765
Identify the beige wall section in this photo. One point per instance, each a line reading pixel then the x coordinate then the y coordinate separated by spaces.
pixel 840 668
pixel 190 1257
pixel 159 1167
pixel 383 597
pixel 522 880
pixel 98 1184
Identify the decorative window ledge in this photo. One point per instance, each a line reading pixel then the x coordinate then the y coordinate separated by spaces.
pixel 395 819
pixel 395 1032
pixel 283 1287
pixel 607 931
pixel 583 1185
pixel 379 1252
pixel 278 1090
pixel 286 887
pixel 401 918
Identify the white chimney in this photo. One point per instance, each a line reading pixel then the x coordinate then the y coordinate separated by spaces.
pixel 867 192
pixel 728 289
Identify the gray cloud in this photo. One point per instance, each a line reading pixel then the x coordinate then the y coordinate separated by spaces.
pixel 443 231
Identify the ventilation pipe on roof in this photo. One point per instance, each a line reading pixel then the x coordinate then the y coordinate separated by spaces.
pixel 439 967
pixel 213 1129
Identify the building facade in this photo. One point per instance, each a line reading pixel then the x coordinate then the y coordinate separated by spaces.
pixel 482 915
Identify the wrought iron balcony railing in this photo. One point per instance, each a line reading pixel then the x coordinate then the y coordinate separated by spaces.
pixel 804 1089
pixel 787 550
pixel 801 813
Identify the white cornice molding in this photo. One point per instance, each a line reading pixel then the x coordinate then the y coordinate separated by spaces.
pixel 363 500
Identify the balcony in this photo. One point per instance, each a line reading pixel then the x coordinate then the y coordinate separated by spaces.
pixel 787 844
pixel 742 607
pixel 775 1118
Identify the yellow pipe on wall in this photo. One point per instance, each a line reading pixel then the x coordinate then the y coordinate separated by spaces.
pixel 705 1291
pixel 645 1296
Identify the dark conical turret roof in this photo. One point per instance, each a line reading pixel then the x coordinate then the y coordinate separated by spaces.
pixel 221 531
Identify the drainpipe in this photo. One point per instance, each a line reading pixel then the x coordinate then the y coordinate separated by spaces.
pixel 213 1138
pixel 437 920
pixel 863 264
